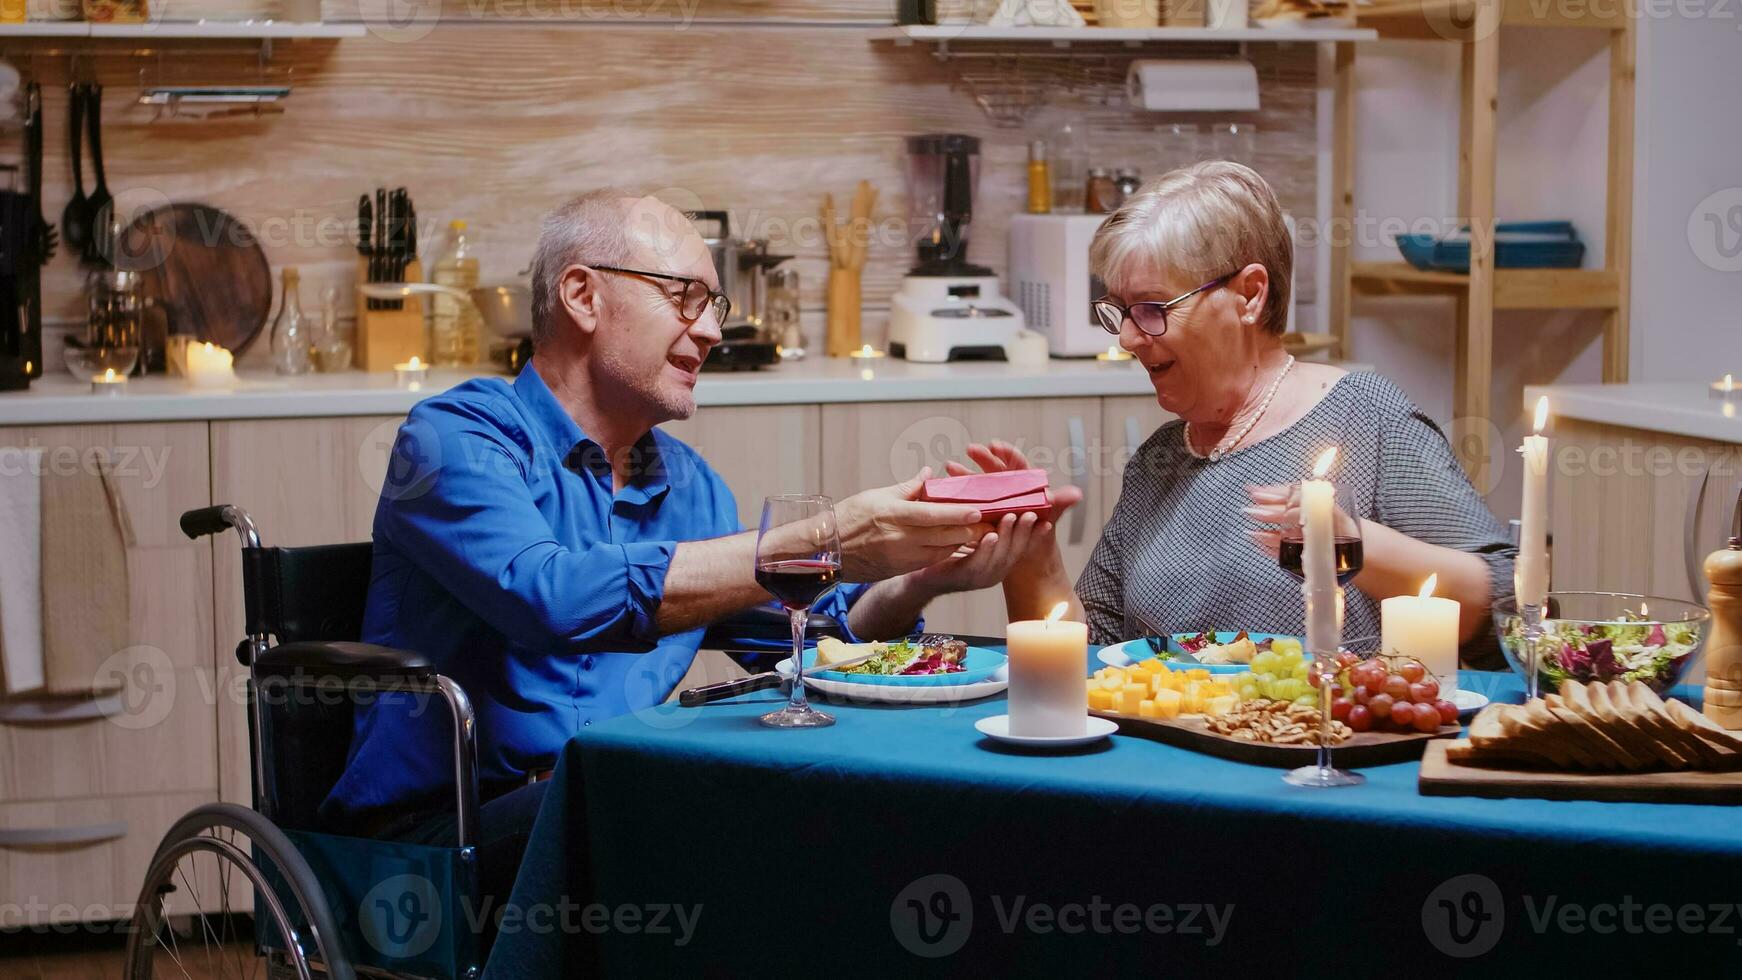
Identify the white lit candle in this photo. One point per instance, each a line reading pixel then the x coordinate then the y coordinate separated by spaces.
pixel 1049 675
pixel 866 353
pixel 109 383
pixel 412 374
pixel 1727 389
pixel 1531 576
pixel 1113 353
pixel 1318 514
pixel 1424 627
pixel 209 366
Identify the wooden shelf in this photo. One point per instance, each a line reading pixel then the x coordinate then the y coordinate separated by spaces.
pixel 1064 36
pixel 187 30
pixel 1454 20
pixel 1514 289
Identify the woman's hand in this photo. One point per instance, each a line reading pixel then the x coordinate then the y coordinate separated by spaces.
pixel 999 457
pixel 983 564
pixel 1280 505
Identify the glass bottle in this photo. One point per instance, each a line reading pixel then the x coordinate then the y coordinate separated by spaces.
pixel 291 338
pixel 1039 179
pixel 1099 191
pixel 1067 159
pixel 332 349
pixel 455 326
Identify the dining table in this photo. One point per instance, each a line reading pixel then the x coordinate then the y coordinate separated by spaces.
pixel 901 842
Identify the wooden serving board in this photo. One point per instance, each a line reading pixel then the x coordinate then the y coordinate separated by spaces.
pixel 1362 749
pixel 1442 777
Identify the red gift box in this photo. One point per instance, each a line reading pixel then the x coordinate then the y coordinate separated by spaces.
pixel 996 494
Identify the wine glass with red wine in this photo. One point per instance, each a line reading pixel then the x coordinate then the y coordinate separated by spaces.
pixel 798 560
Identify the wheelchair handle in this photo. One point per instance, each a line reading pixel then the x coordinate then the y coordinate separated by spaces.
pixel 216 520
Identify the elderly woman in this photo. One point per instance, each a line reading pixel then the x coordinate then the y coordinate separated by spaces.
pixel 1197 266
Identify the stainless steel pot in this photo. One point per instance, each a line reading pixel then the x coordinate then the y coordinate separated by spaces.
pixel 506 308
pixel 742 265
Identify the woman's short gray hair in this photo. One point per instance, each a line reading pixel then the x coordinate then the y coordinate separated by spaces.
pixel 1200 222
pixel 588 230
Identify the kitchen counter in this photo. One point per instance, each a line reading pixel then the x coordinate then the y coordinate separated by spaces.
pixel 1682 408
pixel 57 398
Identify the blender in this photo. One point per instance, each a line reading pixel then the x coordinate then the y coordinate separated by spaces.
pixel 947 307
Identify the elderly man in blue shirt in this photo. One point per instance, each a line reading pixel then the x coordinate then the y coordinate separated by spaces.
pixel 549 548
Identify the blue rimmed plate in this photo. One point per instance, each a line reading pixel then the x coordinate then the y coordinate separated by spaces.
pixel 1127 653
pixel 978 664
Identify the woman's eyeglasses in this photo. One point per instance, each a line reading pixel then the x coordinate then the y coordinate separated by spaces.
pixel 695 299
pixel 1150 316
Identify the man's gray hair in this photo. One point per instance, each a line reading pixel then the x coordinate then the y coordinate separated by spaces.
pixel 588 230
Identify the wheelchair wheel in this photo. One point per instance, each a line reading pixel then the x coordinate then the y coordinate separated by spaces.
pixel 192 914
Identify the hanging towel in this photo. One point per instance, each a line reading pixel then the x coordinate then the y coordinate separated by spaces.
pixel 86 604
pixel 21 569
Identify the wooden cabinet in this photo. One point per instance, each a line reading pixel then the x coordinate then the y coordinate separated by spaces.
pixel 876 445
pixel 1127 422
pixel 156 736
pixel 759 450
pixel 304 481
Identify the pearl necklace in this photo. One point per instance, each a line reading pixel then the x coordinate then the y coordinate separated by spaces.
pixel 1222 449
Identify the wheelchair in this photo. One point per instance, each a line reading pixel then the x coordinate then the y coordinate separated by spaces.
pixel 324 903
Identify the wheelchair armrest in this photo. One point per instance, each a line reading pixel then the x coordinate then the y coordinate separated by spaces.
pixel 343 660
pixel 760 626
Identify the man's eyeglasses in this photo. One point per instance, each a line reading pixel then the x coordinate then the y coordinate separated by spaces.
pixel 695 299
pixel 1150 316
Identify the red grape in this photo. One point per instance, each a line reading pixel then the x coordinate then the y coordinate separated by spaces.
pixel 1403 714
pixel 1448 711
pixel 1360 719
pixel 1313 679
pixel 1425 691
pixel 1427 719
pixel 1340 709
pixel 1381 705
pixel 1363 696
pixel 1374 681
pixel 1396 686
pixel 1412 671
pixel 1347 659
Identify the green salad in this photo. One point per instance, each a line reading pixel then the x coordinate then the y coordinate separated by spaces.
pixel 1634 649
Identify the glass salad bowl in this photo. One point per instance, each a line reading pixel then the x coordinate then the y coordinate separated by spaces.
pixel 1602 636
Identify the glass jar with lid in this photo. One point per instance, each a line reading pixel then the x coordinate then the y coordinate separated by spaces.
pixel 113 324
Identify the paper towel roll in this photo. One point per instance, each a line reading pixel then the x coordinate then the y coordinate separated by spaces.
pixel 1228 85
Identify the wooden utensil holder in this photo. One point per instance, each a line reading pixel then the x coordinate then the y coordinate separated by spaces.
pixel 844 298
pixel 389 337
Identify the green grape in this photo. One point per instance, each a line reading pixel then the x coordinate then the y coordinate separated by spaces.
pixel 1300 671
pixel 1285 645
pixel 1309 700
pixel 1264 663
pixel 1290 659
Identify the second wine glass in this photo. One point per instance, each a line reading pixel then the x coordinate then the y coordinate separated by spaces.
pixel 798 560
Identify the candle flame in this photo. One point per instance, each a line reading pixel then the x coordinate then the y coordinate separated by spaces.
pixel 1729 382
pixel 1427 588
pixel 108 374
pixel 1644 610
pixel 1058 612
pixel 1325 461
pixel 1541 413
pixel 209 347
pixel 415 363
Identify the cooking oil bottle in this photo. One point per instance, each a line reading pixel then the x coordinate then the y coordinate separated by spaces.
pixel 455 325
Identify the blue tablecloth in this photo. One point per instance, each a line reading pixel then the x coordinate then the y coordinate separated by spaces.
pixel 901 842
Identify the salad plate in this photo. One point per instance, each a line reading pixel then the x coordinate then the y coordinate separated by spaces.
pixel 997 728
pixel 853 693
pixel 962 665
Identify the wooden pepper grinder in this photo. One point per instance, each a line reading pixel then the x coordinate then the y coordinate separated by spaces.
pixel 1724 645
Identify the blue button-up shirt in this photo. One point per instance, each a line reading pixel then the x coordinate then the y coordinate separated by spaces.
pixel 504 555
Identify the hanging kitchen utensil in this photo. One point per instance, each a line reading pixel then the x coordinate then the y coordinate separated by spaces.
pixel 40 239
pixel 75 219
pixel 204 269
pixel 101 204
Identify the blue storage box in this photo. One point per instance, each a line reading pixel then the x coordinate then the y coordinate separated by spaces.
pixel 1517 245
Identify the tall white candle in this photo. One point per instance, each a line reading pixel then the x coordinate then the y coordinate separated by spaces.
pixel 1049 675
pixel 1425 627
pixel 1318 502
pixel 1531 575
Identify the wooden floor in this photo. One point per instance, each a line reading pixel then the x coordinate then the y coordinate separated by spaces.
pixel 83 956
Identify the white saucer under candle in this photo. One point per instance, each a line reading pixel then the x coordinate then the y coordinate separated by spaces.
pixel 1049 676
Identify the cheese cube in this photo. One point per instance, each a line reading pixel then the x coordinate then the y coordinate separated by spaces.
pixel 1167 703
pixel 1148 710
pixel 1197 674
pixel 1100 699
pixel 1111 678
pixel 1131 698
pixel 1220 705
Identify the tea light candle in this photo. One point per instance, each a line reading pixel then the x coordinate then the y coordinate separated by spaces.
pixel 412 374
pixel 1318 513
pixel 1114 354
pixel 1425 627
pixel 209 366
pixel 108 383
pixel 1531 573
pixel 1727 389
pixel 866 353
pixel 1049 683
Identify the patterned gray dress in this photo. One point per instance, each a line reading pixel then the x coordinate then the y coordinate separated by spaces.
pixel 1175 554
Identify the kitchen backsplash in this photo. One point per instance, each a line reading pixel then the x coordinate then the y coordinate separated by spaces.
pixel 497 123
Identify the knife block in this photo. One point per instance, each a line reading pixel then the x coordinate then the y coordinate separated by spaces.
pixel 1724 644
pixel 389 337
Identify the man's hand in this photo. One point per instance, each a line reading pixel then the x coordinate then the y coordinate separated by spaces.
pixel 1001 456
pixel 887 532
